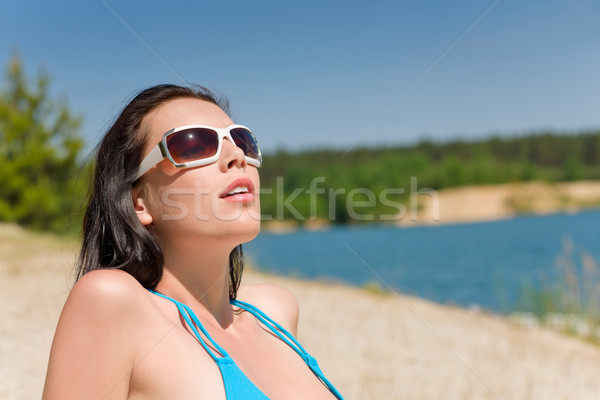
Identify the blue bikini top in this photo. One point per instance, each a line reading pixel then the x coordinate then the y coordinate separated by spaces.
pixel 237 385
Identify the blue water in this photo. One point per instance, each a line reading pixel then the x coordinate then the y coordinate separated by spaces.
pixel 481 264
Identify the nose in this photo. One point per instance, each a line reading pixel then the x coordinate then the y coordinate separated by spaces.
pixel 231 156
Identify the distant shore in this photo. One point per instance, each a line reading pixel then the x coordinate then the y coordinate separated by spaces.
pixel 370 345
pixel 479 204
pixel 496 202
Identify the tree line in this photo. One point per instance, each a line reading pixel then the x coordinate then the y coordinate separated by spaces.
pixel 43 176
pixel 547 156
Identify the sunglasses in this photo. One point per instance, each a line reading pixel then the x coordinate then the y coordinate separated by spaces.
pixel 197 145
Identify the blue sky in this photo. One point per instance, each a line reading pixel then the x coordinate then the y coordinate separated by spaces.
pixel 311 74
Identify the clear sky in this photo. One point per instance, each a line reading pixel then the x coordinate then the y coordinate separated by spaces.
pixel 311 74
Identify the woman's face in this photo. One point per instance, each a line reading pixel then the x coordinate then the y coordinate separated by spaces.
pixel 194 202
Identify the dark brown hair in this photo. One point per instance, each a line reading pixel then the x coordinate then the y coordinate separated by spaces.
pixel 113 236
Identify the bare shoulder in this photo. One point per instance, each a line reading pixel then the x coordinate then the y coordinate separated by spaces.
pixel 275 301
pixel 104 305
pixel 109 280
pixel 98 330
pixel 104 302
pixel 106 289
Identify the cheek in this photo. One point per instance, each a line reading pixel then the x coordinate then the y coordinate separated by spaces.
pixel 171 202
pixel 184 203
pixel 161 204
pixel 181 195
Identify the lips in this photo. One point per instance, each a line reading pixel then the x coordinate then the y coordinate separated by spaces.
pixel 241 189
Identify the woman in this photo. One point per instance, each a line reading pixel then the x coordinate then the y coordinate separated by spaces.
pixel 158 312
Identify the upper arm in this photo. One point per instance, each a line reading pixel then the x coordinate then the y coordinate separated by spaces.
pixel 278 303
pixel 93 350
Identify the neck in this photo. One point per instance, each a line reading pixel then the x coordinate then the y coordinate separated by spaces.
pixel 198 276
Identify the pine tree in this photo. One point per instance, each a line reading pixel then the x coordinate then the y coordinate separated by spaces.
pixel 39 148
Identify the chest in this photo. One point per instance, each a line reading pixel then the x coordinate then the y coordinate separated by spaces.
pixel 173 364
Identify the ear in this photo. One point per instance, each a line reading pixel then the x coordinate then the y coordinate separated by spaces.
pixel 140 206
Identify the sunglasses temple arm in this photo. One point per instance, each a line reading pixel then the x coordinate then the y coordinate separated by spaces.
pixel 153 158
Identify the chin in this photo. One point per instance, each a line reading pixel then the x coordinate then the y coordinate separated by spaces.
pixel 252 231
pixel 243 229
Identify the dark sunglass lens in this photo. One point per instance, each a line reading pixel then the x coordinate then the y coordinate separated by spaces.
pixel 245 141
pixel 192 144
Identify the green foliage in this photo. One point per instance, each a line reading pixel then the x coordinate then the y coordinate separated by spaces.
pixel 39 149
pixel 544 156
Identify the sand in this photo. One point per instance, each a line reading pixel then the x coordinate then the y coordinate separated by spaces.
pixel 494 202
pixel 370 345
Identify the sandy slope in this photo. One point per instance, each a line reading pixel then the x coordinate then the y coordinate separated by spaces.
pixel 493 202
pixel 371 346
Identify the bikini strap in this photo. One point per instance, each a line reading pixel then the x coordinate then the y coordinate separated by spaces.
pixel 279 330
pixel 288 338
pixel 194 323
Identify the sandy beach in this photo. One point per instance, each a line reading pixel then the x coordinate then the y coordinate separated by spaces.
pixel 370 345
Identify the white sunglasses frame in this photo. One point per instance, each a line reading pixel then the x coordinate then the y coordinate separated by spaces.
pixel 160 151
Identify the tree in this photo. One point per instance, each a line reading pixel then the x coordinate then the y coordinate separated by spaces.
pixel 39 148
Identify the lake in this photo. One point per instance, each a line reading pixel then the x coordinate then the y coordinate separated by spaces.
pixel 483 264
